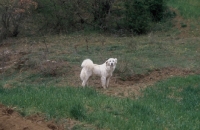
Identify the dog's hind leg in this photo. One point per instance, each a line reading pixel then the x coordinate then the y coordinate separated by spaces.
pixel 84 77
pixel 85 80
pixel 83 83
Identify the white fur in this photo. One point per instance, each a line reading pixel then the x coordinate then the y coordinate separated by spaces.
pixel 104 70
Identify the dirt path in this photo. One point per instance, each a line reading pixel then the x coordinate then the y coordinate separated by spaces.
pixel 133 86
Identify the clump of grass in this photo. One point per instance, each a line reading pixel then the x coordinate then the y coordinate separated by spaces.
pixel 123 69
pixel 77 111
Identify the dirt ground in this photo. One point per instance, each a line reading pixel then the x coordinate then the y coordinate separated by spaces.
pixel 11 120
pixel 133 86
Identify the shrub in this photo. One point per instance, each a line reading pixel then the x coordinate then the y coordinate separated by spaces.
pixel 51 68
pixel 156 8
pixel 13 15
pixel 56 16
pixel 140 14
pixel 132 15
pixel 137 17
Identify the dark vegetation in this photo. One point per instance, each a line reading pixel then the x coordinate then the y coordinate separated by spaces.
pixel 65 16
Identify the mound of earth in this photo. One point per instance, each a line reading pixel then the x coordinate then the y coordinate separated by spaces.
pixel 11 120
pixel 132 86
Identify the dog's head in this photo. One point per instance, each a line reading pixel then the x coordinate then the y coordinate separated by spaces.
pixel 111 62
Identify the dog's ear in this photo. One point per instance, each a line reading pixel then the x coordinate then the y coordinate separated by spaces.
pixel 107 63
pixel 115 60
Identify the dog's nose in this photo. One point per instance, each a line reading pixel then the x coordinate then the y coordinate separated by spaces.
pixel 112 64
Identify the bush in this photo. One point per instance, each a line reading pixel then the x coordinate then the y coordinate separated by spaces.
pixel 13 15
pixel 52 68
pixel 132 15
pixel 137 16
pixel 55 16
pixel 156 8
pixel 140 14
pixel 58 16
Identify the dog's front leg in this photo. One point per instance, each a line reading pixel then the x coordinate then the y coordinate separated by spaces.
pixel 107 81
pixel 85 82
pixel 103 81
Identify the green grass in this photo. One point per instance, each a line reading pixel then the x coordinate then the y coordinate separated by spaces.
pixel 188 8
pixel 144 53
pixel 135 55
pixel 142 49
pixel 170 104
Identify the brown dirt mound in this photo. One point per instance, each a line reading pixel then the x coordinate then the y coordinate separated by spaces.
pixel 181 24
pixel 133 85
pixel 11 120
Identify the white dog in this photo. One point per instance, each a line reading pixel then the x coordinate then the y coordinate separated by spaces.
pixel 104 71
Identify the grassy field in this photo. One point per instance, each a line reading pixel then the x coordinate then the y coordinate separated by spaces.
pixel 33 85
pixel 188 8
pixel 169 104
pixel 136 55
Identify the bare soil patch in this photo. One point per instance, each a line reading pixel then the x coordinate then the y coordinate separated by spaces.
pixel 133 86
pixel 181 24
pixel 11 120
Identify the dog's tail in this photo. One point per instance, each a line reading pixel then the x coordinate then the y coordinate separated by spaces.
pixel 87 63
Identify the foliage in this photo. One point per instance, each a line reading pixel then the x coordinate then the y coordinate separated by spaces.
pixel 156 9
pixel 13 12
pixel 141 14
pixel 106 15
pixel 58 16
pixel 137 16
